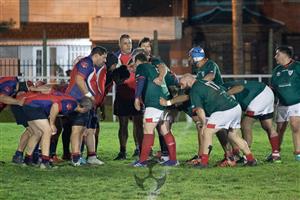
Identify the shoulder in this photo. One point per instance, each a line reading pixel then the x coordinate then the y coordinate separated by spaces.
pixel 85 62
pixel 297 64
pixel 212 63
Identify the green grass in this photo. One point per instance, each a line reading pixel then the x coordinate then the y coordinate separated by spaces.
pixel 115 180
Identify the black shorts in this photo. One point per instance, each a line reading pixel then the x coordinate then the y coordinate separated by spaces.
pixel 19 115
pixel 93 121
pixel 125 108
pixel 78 119
pixel 34 113
pixel 262 117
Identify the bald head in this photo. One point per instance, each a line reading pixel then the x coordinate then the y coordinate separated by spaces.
pixel 187 81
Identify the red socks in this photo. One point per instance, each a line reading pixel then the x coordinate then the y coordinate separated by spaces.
pixel 170 141
pixel 249 157
pixel 148 142
pixel 274 141
pixel 204 159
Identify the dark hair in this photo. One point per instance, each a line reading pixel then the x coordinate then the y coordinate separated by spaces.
pixel 141 57
pixel 111 60
pixel 86 102
pixel 288 50
pixel 98 50
pixel 144 40
pixel 124 36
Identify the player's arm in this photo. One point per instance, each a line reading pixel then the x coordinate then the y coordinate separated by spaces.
pixel 43 89
pixel 175 100
pixel 212 74
pixel 80 81
pixel 201 119
pixel 10 100
pixel 209 77
pixel 162 70
pixel 235 89
pixel 140 83
pixel 52 117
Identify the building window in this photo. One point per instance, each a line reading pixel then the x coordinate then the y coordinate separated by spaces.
pixel 38 62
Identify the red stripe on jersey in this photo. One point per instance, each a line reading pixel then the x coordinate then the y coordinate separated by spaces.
pixel 250 113
pixel 72 80
pixel 210 125
pixel 101 79
pixel 41 97
pixel 7 78
pixel 22 95
pixel 124 58
pixel 149 120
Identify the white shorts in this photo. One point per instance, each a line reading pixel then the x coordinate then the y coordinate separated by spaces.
pixel 225 119
pixel 262 104
pixel 153 115
pixel 285 112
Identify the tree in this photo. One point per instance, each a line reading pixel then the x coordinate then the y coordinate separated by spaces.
pixel 237 37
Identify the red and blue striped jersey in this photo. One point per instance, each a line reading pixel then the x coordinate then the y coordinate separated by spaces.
pixel 66 103
pixel 84 68
pixel 101 80
pixel 8 87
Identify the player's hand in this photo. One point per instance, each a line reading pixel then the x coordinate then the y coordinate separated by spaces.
pixel 162 102
pixel 158 81
pixel 53 129
pixel 21 102
pixel 137 104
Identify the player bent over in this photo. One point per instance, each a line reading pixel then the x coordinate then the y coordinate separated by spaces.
pixel 257 101
pixel 209 100
pixel 41 107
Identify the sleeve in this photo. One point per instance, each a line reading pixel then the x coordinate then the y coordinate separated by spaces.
pixel 212 68
pixel 67 106
pixel 140 77
pixel 140 72
pixel 84 68
pixel 6 90
pixel 140 83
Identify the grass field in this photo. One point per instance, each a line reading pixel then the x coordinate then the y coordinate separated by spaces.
pixel 115 180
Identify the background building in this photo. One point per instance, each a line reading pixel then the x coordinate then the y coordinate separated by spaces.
pixel 42 38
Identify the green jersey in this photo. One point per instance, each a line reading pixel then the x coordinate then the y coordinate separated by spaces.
pixel 151 91
pixel 286 83
pixel 250 91
pixel 210 97
pixel 209 67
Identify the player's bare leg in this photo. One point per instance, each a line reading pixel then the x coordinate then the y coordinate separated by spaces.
pixel 267 125
pixel 242 144
pixel 76 141
pixel 295 127
pixel 246 127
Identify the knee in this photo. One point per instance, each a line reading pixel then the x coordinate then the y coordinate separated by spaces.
pixel 295 127
pixel 90 132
